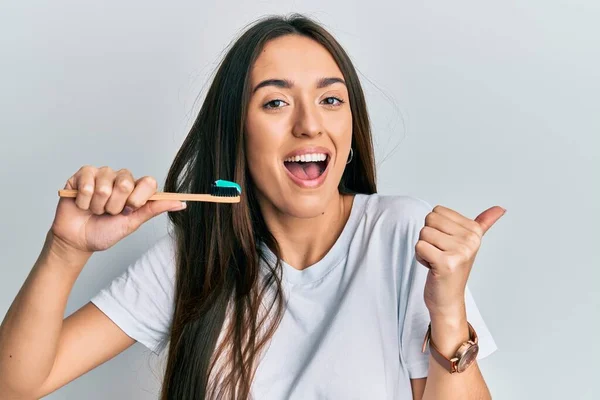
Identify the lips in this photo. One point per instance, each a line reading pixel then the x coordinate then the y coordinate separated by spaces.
pixel 309 150
pixel 306 166
pixel 306 170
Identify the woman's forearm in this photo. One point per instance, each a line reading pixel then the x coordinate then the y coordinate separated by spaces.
pixel 31 329
pixel 447 334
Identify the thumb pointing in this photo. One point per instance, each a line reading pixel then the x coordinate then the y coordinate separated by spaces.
pixel 489 217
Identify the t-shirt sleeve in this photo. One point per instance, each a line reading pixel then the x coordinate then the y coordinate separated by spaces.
pixel 415 318
pixel 140 300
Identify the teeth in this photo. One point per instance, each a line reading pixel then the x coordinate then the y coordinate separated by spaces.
pixel 312 157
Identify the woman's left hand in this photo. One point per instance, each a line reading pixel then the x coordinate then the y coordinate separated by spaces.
pixel 447 245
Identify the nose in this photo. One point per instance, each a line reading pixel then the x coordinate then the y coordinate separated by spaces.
pixel 307 121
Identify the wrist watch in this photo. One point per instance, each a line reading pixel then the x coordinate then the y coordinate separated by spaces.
pixel 463 357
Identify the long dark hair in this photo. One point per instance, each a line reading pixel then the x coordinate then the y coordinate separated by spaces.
pixel 218 328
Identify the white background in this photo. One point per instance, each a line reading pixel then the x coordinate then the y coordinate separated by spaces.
pixel 473 103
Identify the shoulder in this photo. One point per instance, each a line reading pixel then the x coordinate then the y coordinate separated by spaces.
pixel 403 210
pixel 156 265
pixel 164 248
pixel 141 300
pixel 396 219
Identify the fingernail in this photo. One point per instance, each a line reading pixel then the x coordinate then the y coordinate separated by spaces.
pixel 182 206
pixel 127 210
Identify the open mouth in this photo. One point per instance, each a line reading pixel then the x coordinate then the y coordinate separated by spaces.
pixel 308 166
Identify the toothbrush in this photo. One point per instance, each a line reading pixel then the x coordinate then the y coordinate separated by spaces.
pixel 221 191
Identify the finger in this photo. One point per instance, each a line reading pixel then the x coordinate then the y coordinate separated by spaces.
pixel 102 190
pixel 444 224
pixel 145 187
pixel 459 219
pixel 428 252
pixel 423 262
pixel 152 209
pixel 486 219
pixel 439 239
pixel 84 182
pixel 122 187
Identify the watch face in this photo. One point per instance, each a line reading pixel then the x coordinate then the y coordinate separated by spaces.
pixel 468 358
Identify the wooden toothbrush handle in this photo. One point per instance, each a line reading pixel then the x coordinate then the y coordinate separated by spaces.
pixel 72 193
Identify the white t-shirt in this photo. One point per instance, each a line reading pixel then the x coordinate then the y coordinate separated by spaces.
pixel 354 321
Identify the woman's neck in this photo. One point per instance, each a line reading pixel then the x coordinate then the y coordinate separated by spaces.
pixel 305 241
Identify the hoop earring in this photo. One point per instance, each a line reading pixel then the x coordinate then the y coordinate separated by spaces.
pixel 351 156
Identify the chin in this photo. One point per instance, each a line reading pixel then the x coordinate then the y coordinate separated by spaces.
pixel 304 205
pixel 298 203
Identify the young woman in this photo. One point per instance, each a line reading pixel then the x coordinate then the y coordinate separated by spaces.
pixel 312 287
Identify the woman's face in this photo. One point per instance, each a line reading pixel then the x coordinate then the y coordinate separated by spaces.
pixel 298 126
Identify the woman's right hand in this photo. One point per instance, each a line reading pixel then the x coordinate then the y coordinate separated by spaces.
pixel 109 206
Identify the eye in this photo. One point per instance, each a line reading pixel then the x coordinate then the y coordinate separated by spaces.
pixel 331 101
pixel 274 104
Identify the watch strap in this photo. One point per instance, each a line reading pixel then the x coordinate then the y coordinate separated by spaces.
pixel 448 364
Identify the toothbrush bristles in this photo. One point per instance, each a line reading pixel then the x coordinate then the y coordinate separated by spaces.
pixel 223 191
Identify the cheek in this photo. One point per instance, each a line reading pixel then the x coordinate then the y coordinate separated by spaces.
pixel 339 126
pixel 264 132
pixel 263 140
pixel 257 137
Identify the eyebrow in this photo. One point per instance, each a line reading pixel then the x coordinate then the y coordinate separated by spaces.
pixel 287 84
